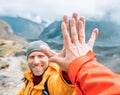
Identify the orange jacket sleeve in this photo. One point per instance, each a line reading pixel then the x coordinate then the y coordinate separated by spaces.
pixel 92 78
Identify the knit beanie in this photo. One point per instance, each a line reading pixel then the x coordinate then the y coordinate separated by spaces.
pixel 35 46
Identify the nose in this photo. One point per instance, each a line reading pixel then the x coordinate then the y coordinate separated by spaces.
pixel 36 60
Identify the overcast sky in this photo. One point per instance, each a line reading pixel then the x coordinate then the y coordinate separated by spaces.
pixel 55 9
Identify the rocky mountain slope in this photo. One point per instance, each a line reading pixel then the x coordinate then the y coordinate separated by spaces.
pixel 24 27
pixel 12 60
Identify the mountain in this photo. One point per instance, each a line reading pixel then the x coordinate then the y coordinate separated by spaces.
pixel 52 35
pixel 12 60
pixel 9 42
pixel 6 33
pixel 24 27
pixel 108 33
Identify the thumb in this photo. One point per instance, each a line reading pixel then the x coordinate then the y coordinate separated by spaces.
pixel 93 38
pixel 48 51
pixel 56 59
pixel 60 62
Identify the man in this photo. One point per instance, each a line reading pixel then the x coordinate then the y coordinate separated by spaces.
pixel 44 78
pixel 88 76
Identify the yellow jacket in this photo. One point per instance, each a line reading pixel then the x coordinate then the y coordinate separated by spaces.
pixel 55 83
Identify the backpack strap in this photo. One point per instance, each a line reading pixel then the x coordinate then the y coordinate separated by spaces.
pixel 26 81
pixel 45 90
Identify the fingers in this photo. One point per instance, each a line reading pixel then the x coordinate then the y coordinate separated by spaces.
pixel 62 53
pixel 83 21
pixel 48 52
pixel 65 19
pixel 66 36
pixel 55 59
pixel 93 38
pixel 75 16
pixel 73 31
pixel 81 32
pixel 60 62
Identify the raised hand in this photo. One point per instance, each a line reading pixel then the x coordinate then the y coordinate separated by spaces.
pixel 81 29
pixel 74 46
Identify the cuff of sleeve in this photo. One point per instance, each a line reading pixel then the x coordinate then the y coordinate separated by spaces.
pixel 64 80
pixel 76 64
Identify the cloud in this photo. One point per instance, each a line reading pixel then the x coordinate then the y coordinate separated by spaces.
pixel 54 9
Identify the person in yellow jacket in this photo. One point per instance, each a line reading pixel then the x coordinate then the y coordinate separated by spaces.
pixel 44 78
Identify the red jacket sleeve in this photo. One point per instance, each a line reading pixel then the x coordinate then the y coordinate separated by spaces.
pixel 92 78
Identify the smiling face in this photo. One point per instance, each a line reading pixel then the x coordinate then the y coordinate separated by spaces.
pixel 37 62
